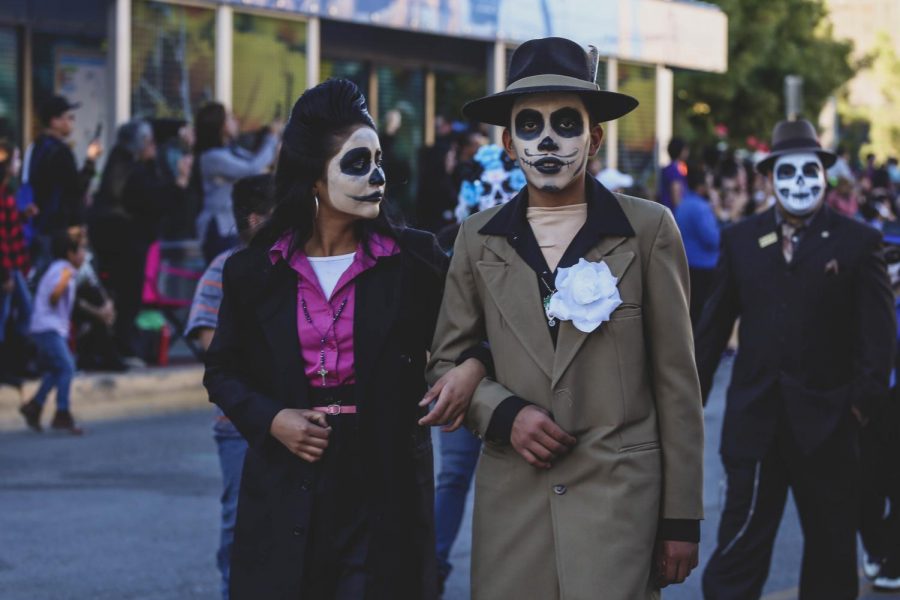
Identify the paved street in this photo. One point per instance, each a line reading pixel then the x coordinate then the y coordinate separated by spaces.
pixel 130 512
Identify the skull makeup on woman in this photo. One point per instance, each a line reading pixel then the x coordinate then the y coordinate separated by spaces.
pixel 551 138
pixel 355 178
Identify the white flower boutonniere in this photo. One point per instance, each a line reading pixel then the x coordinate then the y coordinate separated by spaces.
pixel 586 294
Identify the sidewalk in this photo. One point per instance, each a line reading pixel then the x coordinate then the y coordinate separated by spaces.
pixel 101 396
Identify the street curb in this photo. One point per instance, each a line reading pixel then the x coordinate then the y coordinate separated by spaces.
pixel 102 396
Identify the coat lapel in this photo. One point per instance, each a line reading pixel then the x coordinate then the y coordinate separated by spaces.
pixel 277 313
pixel 378 294
pixel 511 283
pixel 570 339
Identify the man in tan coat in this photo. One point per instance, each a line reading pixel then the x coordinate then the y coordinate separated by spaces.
pixel 590 480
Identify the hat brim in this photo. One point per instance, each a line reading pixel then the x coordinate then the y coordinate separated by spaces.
pixel 496 109
pixel 765 165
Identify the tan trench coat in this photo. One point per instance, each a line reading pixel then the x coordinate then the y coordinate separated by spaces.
pixel 586 528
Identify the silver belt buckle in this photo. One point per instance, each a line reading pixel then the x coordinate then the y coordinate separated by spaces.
pixel 333 409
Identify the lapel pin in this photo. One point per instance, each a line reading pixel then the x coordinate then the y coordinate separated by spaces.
pixel 825 234
pixel 768 240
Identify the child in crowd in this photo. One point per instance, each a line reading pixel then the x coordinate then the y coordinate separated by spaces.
pixel 53 304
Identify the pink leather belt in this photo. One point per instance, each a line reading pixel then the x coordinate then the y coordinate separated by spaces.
pixel 336 409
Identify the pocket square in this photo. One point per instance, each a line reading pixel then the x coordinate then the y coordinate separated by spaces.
pixel 832 267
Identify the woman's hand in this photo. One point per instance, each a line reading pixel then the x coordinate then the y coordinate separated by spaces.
pixel 453 392
pixel 303 432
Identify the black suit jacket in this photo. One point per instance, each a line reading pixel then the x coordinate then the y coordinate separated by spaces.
pixel 254 369
pixel 816 336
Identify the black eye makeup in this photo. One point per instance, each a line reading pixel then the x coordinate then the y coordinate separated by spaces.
pixel 529 124
pixel 785 171
pixel 567 122
pixel 356 162
pixel 811 169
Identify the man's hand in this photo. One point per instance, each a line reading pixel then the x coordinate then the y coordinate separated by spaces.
pixel 107 313
pixel 675 561
pixel 454 392
pixel 185 164
pixel 94 150
pixel 537 437
pixel 31 210
pixel 303 432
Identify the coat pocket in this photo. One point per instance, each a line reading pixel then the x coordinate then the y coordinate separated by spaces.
pixel 641 447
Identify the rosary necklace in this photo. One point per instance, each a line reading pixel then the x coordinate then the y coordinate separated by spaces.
pixel 323 372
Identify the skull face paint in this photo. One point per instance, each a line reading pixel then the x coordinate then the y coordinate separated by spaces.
pixel 355 177
pixel 551 137
pixel 799 181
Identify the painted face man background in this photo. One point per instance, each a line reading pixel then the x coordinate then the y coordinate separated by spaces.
pixel 799 181
pixel 551 138
pixel 355 176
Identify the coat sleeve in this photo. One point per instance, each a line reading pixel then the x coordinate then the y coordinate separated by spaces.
pixel 676 389
pixel 717 322
pixel 250 410
pixel 876 330
pixel 460 327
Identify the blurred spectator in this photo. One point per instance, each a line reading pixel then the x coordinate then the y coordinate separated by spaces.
pixel 869 170
pixel 594 167
pixel 696 219
pixel 125 220
pixel 57 186
pixel 94 318
pixel 893 170
pixel 615 180
pixel 732 194
pixel 175 140
pixel 221 163
pixel 673 178
pixel 843 198
pixel 841 167
pixel 397 170
pixel 876 210
pixel 15 300
pixel 53 305
pixel 252 203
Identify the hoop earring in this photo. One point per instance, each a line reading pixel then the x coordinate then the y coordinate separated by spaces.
pixel 316 197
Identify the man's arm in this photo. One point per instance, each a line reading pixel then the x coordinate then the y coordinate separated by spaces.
pixel 717 322
pixel 876 332
pixel 667 328
pixel 460 327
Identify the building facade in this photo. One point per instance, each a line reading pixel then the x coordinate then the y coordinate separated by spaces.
pixel 423 58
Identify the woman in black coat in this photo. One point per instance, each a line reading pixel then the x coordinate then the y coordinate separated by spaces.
pixel 318 359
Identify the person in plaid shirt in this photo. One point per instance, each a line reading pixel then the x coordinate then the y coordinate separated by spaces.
pixel 15 301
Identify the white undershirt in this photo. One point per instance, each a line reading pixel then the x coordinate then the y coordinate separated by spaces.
pixel 329 269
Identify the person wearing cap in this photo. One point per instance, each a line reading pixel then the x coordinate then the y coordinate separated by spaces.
pixel 590 479
pixel 816 341
pixel 58 185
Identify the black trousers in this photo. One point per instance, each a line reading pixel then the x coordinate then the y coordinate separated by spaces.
pixel 701 286
pixel 879 524
pixel 125 272
pixel 825 486
pixel 338 546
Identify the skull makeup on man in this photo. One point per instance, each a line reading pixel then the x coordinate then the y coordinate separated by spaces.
pixel 550 135
pixel 799 182
pixel 355 178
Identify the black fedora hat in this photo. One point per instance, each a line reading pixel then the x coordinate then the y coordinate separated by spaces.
pixel 791 137
pixel 549 65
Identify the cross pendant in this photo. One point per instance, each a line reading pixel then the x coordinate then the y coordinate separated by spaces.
pixel 322 372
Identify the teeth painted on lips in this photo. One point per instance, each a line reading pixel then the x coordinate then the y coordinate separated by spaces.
pixel 559 156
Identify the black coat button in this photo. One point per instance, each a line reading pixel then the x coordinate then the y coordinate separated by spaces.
pixel 298 531
pixel 559 489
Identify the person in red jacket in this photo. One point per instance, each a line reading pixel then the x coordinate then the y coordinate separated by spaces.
pixel 15 301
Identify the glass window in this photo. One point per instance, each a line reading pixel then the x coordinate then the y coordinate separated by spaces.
pixel 260 95
pixel 452 90
pixel 355 71
pixel 637 130
pixel 10 112
pixel 173 59
pixel 401 90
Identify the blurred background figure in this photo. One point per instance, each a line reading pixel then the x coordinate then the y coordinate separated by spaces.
pixel 673 178
pixel 125 220
pixel 842 198
pixel 221 163
pixel 56 187
pixel 697 220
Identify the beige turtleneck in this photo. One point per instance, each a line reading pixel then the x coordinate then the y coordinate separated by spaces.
pixel 555 228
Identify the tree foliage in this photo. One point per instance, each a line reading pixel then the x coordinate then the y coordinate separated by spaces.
pixel 767 40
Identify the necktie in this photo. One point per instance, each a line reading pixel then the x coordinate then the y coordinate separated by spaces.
pixel 790 239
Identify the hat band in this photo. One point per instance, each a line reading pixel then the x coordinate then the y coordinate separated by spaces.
pixel 550 79
pixel 797 144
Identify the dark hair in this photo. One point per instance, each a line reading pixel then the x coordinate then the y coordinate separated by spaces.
pixel 696 177
pixel 251 196
pixel 208 124
pixel 321 120
pixel 64 241
pixel 676 145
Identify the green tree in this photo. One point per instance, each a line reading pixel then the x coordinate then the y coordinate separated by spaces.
pixel 767 40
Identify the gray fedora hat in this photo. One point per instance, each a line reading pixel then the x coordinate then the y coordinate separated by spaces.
pixel 549 65
pixel 791 137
